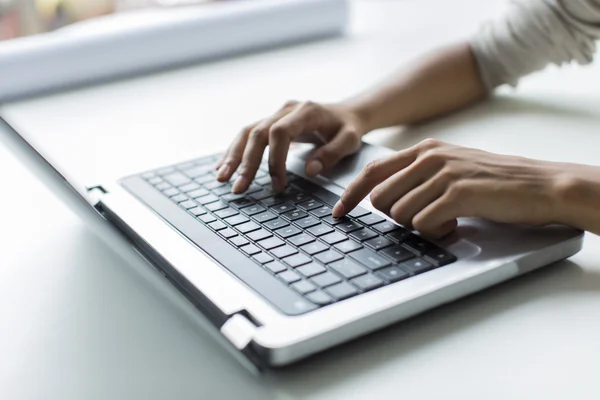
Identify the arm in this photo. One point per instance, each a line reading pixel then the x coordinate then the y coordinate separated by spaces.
pixel 440 83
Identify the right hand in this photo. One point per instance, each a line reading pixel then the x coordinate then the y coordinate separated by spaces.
pixel 335 127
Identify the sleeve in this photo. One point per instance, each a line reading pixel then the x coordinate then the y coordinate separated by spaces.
pixel 533 34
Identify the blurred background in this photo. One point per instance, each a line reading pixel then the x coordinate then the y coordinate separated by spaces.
pixel 27 17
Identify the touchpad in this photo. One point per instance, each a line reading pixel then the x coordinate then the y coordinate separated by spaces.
pixel 347 169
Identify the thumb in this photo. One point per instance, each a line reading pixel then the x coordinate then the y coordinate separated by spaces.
pixel 346 142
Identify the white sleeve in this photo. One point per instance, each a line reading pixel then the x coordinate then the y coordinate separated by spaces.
pixel 533 34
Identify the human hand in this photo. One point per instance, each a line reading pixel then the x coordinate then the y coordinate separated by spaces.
pixel 430 185
pixel 336 127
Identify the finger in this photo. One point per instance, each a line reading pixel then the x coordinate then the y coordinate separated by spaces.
pixel 343 144
pixel 439 218
pixel 387 193
pixel 374 173
pixel 404 209
pixel 302 120
pixel 233 156
pixel 258 139
pixel 255 148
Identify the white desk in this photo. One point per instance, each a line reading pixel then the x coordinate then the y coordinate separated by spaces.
pixel 76 323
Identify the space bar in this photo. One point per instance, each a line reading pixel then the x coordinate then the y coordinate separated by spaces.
pixel 253 275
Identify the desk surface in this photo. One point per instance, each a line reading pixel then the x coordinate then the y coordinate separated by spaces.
pixel 76 323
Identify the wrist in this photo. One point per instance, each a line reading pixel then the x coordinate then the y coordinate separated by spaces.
pixel 576 191
pixel 362 115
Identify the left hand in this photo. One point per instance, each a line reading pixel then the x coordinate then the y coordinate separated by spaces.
pixel 430 185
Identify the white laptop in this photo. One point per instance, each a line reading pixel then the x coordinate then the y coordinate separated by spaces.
pixel 276 275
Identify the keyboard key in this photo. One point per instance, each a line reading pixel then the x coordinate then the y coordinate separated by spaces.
pixel 393 274
pixel 162 186
pixel 189 187
pixel 239 241
pixel 276 267
pixel 262 258
pixel 241 203
pixel 310 205
pixel 348 246
pixel 311 269
pixel 259 235
pixel 304 287
pixel 300 240
pixel 370 259
pixel 341 291
pixel 378 243
pixel 188 204
pixel 329 256
pixel 148 175
pixel 333 238
pixel 348 268
pixel 232 197
pixel 297 260
pixel 197 171
pixel 207 218
pixel 363 234
pixel 371 219
pixel 223 190
pixel 265 180
pixel 271 243
pixel 253 188
pixel 253 209
pixel 165 170
pixel 264 217
pixel 319 298
pixel 211 198
pixel 334 221
pixel 282 208
pixel 349 226
pixel 317 191
pixel 247 227
pixel 171 191
pixel 216 206
pixel 177 179
pixel 236 220
pixel 214 184
pixel 439 257
pixel 288 231
pixel 284 251
pixel 204 179
pixel 358 212
pixel 416 266
pixel 294 215
pixel 297 197
pixel 385 227
pixel 272 201
pixel 155 181
pixel 399 236
pixel 314 248
pixel 289 276
pixel 263 194
pixel 417 244
pixel 320 230
pixel 322 212
pixel 307 222
pixel 250 249
pixel 275 224
pixel 217 225
pixel 397 253
pixel 367 282
pixel 179 198
pixel 228 233
pixel 197 211
pixel 325 279
pixel 198 193
pixel 227 212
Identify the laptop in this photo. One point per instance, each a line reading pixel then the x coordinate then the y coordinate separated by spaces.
pixel 276 276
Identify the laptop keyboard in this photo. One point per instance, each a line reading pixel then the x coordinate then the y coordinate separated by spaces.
pixel 293 235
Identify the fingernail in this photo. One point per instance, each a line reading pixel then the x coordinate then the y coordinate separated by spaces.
pixel 223 172
pixel 314 167
pixel 276 184
pixel 240 185
pixel 338 210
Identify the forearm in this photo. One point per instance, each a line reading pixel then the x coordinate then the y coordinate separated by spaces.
pixel 439 83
